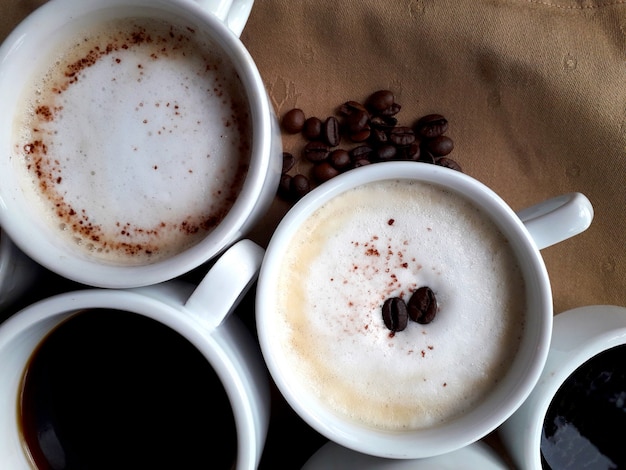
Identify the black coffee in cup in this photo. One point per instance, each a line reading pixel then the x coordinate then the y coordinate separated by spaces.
pixel 585 422
pixel 109 389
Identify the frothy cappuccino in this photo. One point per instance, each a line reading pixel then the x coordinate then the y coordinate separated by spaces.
pixel 382 240
pixel 134 139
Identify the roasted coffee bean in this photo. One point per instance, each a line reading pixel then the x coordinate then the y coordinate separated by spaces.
pixel 323 172
pixel 316 151
pixel 379 101
pixel 426 156
pixel 402 136
pixel 413 151
pixel 391 110
pixel 395 315
pixel 350 107
pixel 299 186
pixel 378 136
pixel 422 306
pixel 391 121
pixel 340 159
pixel 409 153
pixel 312 129
pixel 448 163
pixel 330 129
pixel 356 122
pixel 293 120
pixel 431 126
pixel 361 136
pixel 288 162
pixel 362 151
pixel 440 146
pixel 284 187
pixel 387 152
pixel 360 162
pixel 383 122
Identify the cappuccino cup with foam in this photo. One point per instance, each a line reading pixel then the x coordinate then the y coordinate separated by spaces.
pixel 383 232
pixel 138 140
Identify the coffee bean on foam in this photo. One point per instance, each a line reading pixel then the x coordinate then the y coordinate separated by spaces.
pixel 136 137
pixel 395 314
pixel 347 259
pixel 422 305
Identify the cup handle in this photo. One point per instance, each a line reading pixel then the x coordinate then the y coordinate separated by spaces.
pixel 233 13
pixel 225 284
pixel 557 219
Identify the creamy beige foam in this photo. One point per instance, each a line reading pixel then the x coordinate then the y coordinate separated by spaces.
pixel 136 138
pixel 387 239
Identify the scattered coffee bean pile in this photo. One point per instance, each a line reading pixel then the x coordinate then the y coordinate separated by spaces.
pixel 373 135
pixel 421 308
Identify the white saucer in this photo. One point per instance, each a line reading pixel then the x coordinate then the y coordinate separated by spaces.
pixel 476 456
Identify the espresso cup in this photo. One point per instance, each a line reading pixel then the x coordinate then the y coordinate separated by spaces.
pixel 137 137
pixel 404 309
pixel 574 417
pixel 161 376
pixel 17 272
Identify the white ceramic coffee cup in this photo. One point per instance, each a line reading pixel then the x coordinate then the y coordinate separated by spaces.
pixel 578 335
pixel 573 212
pixel 17 272
pixel 223 21
pixel 202 315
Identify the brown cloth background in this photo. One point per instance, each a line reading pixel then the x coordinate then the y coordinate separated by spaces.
pixel 535 93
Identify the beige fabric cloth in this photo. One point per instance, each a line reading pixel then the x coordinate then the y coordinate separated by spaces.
pixel 535 92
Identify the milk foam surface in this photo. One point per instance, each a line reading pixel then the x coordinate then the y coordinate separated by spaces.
pixel 136 138
pixel 383 240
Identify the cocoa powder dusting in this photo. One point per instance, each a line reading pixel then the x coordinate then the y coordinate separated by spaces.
pixel 48 171
pixel 389 262
pixel 44 113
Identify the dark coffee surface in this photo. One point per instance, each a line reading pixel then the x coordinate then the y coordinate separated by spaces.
pixel 114 390
pixel 585 423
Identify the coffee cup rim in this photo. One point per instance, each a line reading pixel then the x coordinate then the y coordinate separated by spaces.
pixel 6 250
pixel 579 334
pixel 477 455
pixel 503 401
pixel 261 180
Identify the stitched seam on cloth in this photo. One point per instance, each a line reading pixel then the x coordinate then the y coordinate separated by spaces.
pixel 577 7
